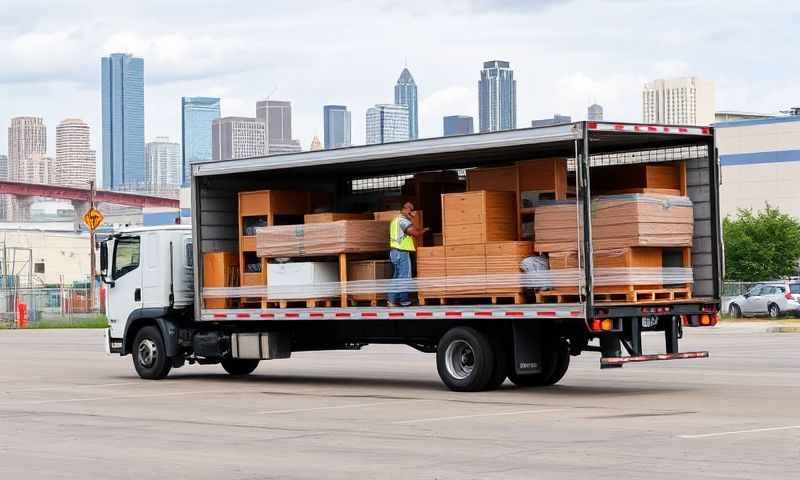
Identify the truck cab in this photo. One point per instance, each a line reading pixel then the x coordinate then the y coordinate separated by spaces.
pixel 148 272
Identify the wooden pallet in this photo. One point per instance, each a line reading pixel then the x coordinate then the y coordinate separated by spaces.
pixel 301 303
pixel 623 295
pixel 516 298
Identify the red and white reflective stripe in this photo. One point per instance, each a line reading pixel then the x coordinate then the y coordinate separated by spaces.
pixel 650 358
pixel 386 313
pixel 639 128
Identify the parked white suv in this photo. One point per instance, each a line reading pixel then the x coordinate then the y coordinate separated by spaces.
pixel 772 299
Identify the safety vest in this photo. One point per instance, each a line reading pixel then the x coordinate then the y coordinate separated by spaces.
pixel 406 244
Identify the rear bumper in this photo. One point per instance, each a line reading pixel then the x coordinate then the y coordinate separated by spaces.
pixel 607 362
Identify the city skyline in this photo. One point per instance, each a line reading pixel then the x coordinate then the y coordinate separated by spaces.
pixel 241 63
pixel 405 93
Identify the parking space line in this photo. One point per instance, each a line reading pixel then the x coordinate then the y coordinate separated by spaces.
pixel 477 415
pixel 332 407
pixel 741 432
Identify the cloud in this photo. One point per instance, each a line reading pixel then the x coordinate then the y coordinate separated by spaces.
pixel 453 100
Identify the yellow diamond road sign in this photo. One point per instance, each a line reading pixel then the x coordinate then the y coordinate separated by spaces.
pixel 93 218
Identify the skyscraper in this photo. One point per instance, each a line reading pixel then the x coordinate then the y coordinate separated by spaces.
pixel 237 137
pixel 26 136
pixel 277 116
pixel 497 97
pixel 123 120
pixel 337 126
pixel 75 161
pixel 405 93
pixel 679 101
pixel 457 125
pixel 197 115
pixel 40 168
pixel 3 198
pixel 3 167
pixel 315 144
pixel 163 163
pixel 595 113
pixel 387 123
pixel 556 120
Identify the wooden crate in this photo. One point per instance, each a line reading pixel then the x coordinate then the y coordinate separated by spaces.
pixel 431 264
pixel 479 217
pixel 368 270
pixel 220 269
pixel 465 261
pixel 667 178
pixel 544 175
pixel 505 258
pixel 333 217
pixel 499 179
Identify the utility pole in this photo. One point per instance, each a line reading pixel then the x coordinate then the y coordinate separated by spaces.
pixel 92 260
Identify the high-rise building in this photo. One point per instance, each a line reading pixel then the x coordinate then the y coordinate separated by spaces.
pixel 39 168
pixel 556 120
pixel 123 120
pixel 315 144
pixel 197 115
pixel 163 162
pixel 457 125
pixel 3 167
pixel 405 93
pixel 3 198
pixel 337 126
pixel 595 113
pixel 237 137
pixel 26 136
pixel 387 123
pixel 678 101
pixel 75 161
pixel 277 116
pixel 497 97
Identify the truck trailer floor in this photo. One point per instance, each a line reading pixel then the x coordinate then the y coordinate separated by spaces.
pixel 69 411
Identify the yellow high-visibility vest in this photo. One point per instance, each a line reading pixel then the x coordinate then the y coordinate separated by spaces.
pixel 406 244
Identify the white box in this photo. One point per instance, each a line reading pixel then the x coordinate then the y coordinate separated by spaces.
pixel 302 273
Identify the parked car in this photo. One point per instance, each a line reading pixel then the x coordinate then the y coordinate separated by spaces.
pixel 771 299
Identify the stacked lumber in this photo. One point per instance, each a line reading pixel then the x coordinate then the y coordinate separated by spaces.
pixel 321 239
pixel 334 217
pixel 478 217
pixel 618 221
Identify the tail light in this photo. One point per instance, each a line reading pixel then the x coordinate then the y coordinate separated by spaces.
pixel 606 325
pixel 702 320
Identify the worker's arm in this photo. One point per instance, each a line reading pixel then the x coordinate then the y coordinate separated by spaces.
pixel 415 231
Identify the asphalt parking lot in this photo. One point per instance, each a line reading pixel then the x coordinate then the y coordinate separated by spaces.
pixel 69 411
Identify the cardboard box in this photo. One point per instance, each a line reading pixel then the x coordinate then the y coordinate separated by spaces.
pixel 479 217
pixel 368 270
pixel 320 239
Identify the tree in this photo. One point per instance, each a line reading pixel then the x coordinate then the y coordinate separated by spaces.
pixel 761 246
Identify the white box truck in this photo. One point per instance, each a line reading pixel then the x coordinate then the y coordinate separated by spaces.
pixel 156 300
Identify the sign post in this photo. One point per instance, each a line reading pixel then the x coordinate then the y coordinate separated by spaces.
pixel 92 218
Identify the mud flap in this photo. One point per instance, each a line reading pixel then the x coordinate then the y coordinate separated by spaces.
pixel 527 348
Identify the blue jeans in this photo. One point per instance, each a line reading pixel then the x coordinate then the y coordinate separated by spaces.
pixel 401 266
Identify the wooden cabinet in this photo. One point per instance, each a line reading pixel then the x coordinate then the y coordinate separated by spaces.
pixel 220 269
pixel 263 208
pixel 668 178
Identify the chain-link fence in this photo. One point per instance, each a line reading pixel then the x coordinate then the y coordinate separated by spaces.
pixel 49 307
pixel 732 289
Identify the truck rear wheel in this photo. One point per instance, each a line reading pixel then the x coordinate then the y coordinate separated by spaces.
pixel 465 360
pixel 555 363
pixel 239 366
pixel 150 354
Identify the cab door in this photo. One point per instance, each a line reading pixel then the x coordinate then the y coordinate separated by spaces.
pixel 125 290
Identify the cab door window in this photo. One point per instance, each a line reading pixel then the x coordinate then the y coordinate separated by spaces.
pixel 126 256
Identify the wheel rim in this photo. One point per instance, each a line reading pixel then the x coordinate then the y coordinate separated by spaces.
pixel 148 353
pixel 459 359
pixel 773 311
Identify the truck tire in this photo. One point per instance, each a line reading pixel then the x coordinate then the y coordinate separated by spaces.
pixel 150 354
pixel 555 363
pixel 239 366
pixel 465 360
pixel 501 363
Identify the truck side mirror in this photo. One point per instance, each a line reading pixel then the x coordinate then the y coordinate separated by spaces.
pixel 103 258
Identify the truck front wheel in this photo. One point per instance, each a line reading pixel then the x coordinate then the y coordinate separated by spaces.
pixel 465 360
pixel 239 366
pixel 150 354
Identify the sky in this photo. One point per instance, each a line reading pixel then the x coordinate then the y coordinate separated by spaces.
pixel 565 55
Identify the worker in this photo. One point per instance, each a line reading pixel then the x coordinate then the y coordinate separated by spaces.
pixel 402 234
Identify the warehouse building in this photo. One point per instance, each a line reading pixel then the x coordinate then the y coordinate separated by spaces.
pixel 760 161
